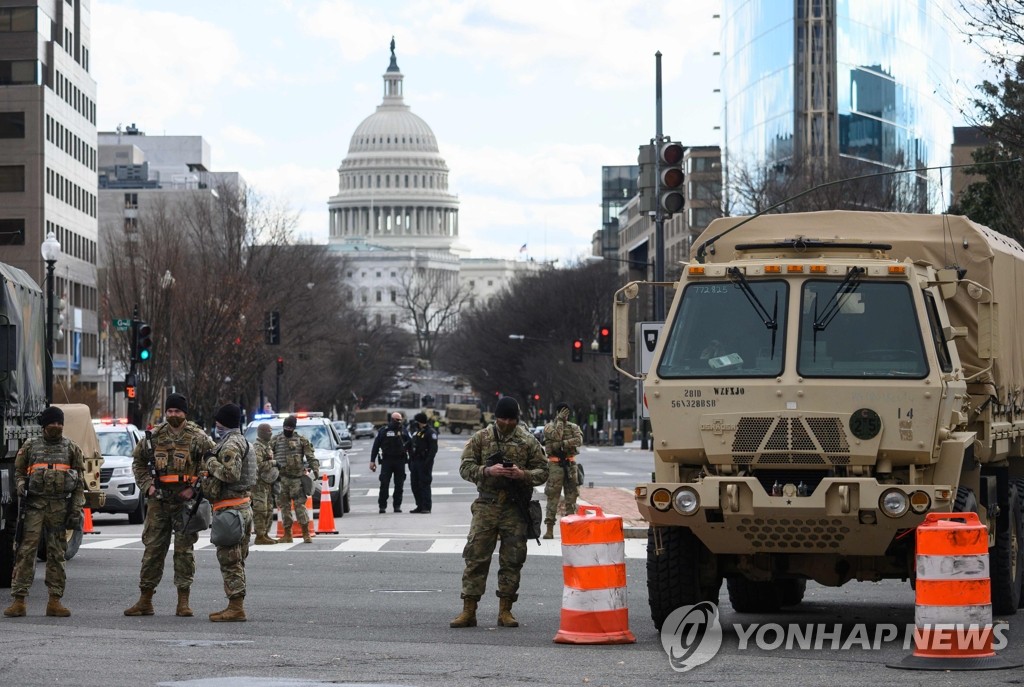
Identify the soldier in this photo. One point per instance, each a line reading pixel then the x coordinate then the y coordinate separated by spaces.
pixel 167 465
pixel 494 511
pixel 295 457
pixel 392 443
pixel 421 462
pixel 562 441
pixel 266 485
pixel 48 474
pixel 232 472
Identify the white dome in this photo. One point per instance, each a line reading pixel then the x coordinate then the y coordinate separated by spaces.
pixel 392 128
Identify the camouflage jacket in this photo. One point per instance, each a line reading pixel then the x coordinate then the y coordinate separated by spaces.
pixel 521 447
pixel 264 460
pixel 294 454
pixel 225 468
pixel 39 450
pixel 174 452
pixel 562 437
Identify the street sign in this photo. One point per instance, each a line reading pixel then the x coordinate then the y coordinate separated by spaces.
pixel 122 325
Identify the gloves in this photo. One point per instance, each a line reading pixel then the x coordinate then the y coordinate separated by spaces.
pixel 563 414
pixel 74 520
pixel 316 474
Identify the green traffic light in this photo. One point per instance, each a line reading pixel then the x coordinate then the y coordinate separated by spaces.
pixel 144 355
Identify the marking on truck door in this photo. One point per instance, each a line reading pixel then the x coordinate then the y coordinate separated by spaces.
pixel 729 390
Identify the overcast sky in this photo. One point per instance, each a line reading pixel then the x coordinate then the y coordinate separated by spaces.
pixel 527 98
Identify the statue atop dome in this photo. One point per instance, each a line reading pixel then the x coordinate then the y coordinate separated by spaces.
pixel 393 67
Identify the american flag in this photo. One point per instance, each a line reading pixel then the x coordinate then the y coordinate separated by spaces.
pixel 522 248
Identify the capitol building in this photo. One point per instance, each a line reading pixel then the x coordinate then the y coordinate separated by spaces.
pixel 395 222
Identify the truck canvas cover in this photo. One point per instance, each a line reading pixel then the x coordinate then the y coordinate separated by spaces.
pixel 22 310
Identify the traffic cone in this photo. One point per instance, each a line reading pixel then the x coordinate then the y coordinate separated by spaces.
pixel 297 528
pixel 953 604
pixel 325 525
pixel 594 608
pixel 87 521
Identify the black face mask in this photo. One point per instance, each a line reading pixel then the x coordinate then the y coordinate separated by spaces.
pixel 288 431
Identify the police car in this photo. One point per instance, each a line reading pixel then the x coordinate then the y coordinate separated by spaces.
pixel 117 439
pixel 326 446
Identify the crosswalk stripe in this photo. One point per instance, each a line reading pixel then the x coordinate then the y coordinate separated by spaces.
pixel 447 546
pixel 106 543
pixel 369 544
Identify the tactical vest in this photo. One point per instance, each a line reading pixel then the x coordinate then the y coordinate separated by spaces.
pixel 291 461
pixel 50 473
pixel 172 455
pixel 392 446
pixel 247 477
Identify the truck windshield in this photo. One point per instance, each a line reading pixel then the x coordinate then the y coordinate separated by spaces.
pixel 874 332
pixel 719 333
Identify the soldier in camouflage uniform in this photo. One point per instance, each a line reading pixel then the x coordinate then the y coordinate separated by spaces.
pixel 494 512
pixel 232 472
pixel 295 457
pixel 267 482
pixel 48 472
pixel 562 441
pixel 167 471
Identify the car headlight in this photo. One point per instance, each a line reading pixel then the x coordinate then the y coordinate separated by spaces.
pixel 327 464
pixel 686 501
pixel 121 472
pixel 893 503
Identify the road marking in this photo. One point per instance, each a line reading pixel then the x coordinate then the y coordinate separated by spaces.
pixel 371 544
pixel 447 546
pixel 618 474
pixel 107 543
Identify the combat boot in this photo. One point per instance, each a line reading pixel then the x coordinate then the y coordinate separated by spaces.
pixel 286 538
pixel 234 613
pixel 17 608
pixel 468 616
pixel 183 611
pixel 505 617
pixel 263 539
pixel 306 538
pixel 55 609
pixel 550 532
pixel 144 606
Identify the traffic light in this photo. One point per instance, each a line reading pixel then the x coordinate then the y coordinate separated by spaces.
pixel 143 341
pixel 129 387
pixel 604 339
pixel 670 157
pixel 613 384
pixel 645 182
pixel 280 366
pixel 273 328
pixel 536 398
pixel 577 351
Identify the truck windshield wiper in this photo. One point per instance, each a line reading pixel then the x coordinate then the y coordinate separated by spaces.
pixel 833 306
pixel 770 321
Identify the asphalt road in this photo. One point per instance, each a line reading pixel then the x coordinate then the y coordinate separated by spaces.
pixel 371 605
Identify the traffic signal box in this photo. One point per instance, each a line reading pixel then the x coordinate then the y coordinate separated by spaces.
pixel 660 183
pixel 604 339
pixel 577 351
pixel 280 366
pixel 144 341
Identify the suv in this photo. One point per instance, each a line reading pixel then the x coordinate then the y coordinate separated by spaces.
pixel 327 447
pixel 364 429
pixel 117 442
pixel 344 436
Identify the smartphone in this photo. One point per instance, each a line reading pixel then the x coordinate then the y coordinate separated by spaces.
pixel 507 463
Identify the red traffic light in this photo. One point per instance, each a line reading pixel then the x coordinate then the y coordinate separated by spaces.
pixel 577 344
pixel 605 331
pixel 536 397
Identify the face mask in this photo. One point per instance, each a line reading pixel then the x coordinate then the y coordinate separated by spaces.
pixel 53 433
pixel 176 421
pixel 289 432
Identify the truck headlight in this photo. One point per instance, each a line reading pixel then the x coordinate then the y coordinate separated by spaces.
pixel 661 499
pixel 686 501
pixel 893 503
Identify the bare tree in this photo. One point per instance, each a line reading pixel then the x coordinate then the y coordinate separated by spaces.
pixel 432 299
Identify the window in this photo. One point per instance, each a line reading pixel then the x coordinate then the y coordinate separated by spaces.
pixel 394 296
pixel 131 201
pixel 12 124
pixel 12 232
pixel 380 297
pixel 20 72
pixel 130 225
pixel 12 178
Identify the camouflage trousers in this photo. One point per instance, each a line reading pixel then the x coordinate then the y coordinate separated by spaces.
pixel 557 481
pixel 161 514
pixel 43 518
pixel 232 558
pixel 291 490
pixel 494 519
pixel 262 507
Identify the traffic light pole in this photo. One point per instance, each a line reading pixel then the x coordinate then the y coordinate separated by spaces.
pixel 659 215
pixel 133 400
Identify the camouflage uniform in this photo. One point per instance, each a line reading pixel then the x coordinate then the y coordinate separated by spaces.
pixel 562 440
pixel 293 455
pixel 263 490
pixel 494 514
pixel 221 487
pixel 56 495
pixel 178 456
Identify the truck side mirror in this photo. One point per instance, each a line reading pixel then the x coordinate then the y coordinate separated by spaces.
pixel 947 280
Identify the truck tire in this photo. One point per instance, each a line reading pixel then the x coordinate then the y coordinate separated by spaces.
pixel 791 592
pixel 1007 558
pixel 673 578
pixel 965 501
pixel 456 429
pixel 74 538
pixel 6 558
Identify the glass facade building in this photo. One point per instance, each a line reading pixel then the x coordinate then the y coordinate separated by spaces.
pixel 840 81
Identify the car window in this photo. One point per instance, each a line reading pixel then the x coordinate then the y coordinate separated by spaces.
pixel 115 444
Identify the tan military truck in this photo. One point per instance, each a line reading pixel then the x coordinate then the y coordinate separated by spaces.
pixel 823 380
pixel 378 416
pixel 463 416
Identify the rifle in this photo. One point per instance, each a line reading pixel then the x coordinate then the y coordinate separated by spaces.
pixel 153 472
pixel 19 528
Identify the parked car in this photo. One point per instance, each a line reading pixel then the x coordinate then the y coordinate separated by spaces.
pixel 538 432
pixel 327 446
pixel 364 429
pixel 117 439
pixel 344 436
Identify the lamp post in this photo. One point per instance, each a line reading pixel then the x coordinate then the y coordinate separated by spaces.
pixel 50 250
pixel 166 283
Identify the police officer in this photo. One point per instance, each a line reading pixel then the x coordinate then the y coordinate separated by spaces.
pixel 49 474
pixel 494 511
pixel 167 465
pixel 421 462
pixel 295 457
pixel 562 441
pixel 392 444
pixel 266 484
pixel 232 472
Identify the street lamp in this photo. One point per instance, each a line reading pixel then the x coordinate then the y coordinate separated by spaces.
pixel 166 283
pixel 50 250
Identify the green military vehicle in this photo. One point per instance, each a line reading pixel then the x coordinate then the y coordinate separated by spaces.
pixel 823 381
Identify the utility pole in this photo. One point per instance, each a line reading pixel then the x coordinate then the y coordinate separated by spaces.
pixel 659 215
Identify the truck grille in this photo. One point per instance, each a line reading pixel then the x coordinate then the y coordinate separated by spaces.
pixel 814 534
pixel 790 441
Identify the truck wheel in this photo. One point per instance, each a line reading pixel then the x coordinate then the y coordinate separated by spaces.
pixel 674 578
pixel 791 592
pixel 456 429
pixel 965 501
pixel 748 596
pixel 74 538
pixel 1007 558
pixel 6 558
pixel 138 516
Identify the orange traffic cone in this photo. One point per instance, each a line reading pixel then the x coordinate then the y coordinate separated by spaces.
pixel 953 604
pixel 87 521
pixel 325 525
pixel 594 608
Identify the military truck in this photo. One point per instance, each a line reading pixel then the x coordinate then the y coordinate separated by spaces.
pixel 822 382
pixel 378 416
pixel 462 416
pixel 22 398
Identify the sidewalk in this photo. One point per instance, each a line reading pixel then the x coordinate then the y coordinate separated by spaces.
pixel 616 501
